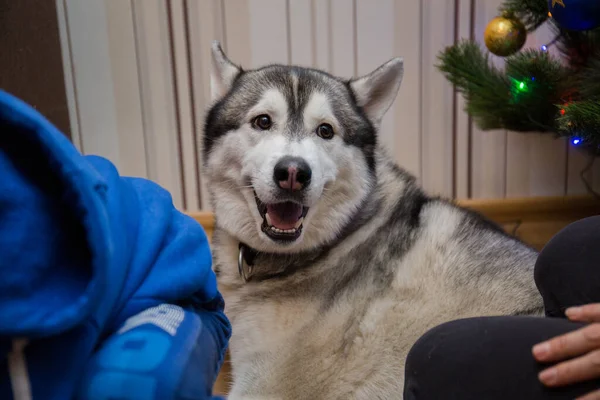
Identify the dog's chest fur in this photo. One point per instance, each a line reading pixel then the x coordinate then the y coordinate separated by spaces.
pixel 340 326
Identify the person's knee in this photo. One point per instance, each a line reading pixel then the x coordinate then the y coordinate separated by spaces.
pixel 576 242
pixel 473 358
pixel 417 356
pixel 465 341
pixel 569 259
pixel 437 363
pixel 439 346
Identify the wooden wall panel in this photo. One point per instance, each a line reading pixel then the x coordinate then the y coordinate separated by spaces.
pixel 92 82
pixel 69 73
pixel 577 160
pixel 140 88
pixel 531 171
pixel 268 32
pixel 536 163
pixel 237 31
pixel 203 27
pixel 343 38
pixel 182 85
pixel 126 85
pixel 437 32
pixel 517 158
pixel 157 91
pixel 488 150
pixel 321 39
pixel 374 46
pixel 580 163
pixel 463 123
pixel 406 110
pixel 299 15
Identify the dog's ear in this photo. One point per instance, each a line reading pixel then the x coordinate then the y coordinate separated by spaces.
pixel 376 91
pixel 223 72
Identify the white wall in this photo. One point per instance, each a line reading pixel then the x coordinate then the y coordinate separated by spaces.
pixel 139 86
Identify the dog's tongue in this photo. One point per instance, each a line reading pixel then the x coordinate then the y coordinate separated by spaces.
pixel 284 215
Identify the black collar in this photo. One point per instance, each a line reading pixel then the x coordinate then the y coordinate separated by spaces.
pixel 246 257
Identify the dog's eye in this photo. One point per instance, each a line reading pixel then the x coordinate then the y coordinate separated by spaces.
pixel 262 122
pixel 325 131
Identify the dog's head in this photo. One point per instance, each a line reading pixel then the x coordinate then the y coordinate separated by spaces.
pixel 290 152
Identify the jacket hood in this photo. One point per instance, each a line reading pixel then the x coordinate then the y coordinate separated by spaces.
pixel 54 234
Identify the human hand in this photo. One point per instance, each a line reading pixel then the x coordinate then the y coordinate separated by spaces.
pixel 579 352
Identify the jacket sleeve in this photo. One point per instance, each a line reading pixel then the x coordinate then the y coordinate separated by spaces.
pixel 168 330
pixel 166 352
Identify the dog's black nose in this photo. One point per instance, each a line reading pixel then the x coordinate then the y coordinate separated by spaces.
pixel 292 173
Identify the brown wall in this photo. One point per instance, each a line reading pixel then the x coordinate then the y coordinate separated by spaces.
pixel 30 57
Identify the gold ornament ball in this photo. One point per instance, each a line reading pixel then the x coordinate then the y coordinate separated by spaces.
pixel 505 35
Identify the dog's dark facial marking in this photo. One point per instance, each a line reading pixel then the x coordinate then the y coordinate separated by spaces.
pixel 297 85
pixel 266 114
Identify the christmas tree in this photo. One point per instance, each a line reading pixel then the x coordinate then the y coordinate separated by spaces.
pixel 535 91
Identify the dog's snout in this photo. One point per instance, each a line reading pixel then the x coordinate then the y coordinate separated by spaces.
pixel 292 173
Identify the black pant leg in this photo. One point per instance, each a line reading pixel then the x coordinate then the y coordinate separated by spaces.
pixel 567 272
pixel 485 358
pixel 490 357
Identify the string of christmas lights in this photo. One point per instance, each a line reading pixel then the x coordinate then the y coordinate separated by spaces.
pixel 536 91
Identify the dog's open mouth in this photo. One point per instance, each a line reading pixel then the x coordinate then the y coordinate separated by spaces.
pixel 282 221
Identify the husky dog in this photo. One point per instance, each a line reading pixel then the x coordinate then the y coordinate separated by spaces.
pixel 331 259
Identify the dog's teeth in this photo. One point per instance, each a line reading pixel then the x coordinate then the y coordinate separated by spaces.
pixel 299 223
pixel 268 219
pixel 277 230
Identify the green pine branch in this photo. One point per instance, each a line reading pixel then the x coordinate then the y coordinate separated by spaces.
pixel 588 79
pixel 522 98
pixel 533 13
pixel 483 85
pixel 534 92
pixel 581 119
pixel 544 77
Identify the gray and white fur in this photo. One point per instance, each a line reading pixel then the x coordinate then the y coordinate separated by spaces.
pixel 331 309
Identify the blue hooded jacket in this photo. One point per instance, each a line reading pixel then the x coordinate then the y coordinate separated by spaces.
pixel 106 290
